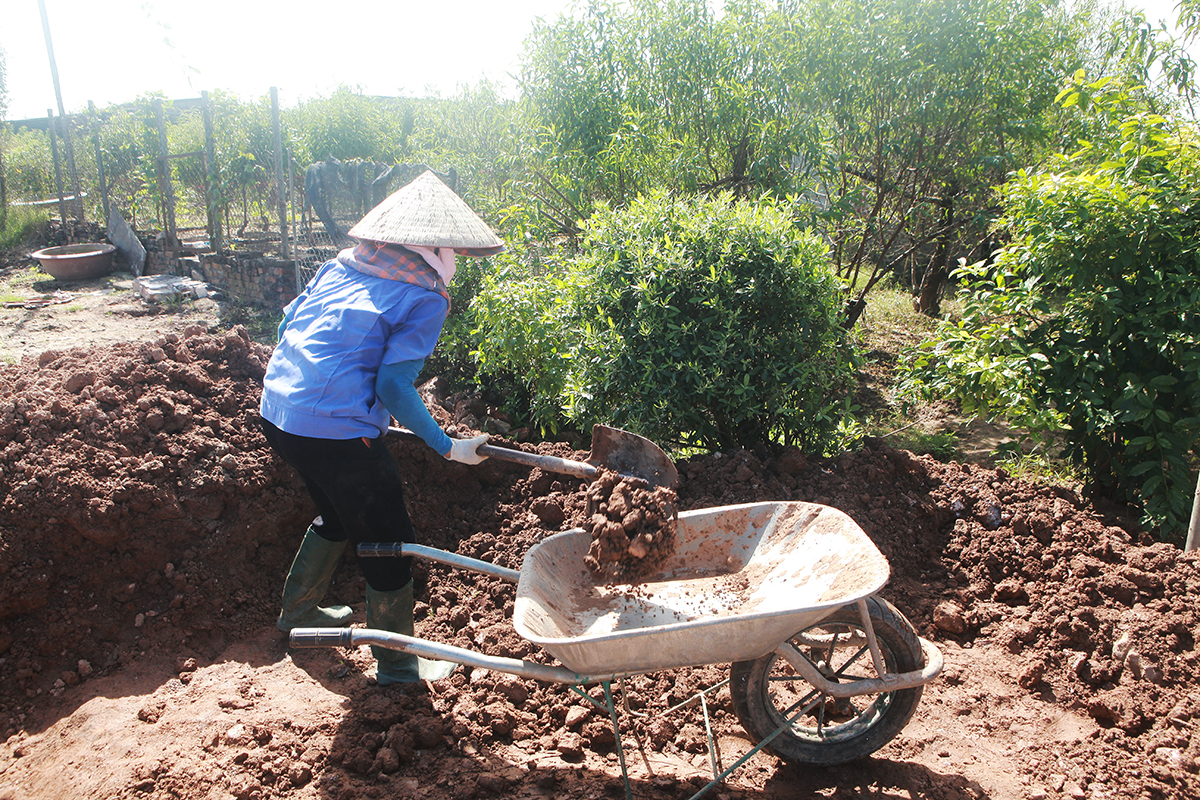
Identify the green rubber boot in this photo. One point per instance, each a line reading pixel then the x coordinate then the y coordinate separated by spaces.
pixel 393 611
pixel 307 582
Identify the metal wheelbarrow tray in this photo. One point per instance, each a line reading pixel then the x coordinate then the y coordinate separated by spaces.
pixel 742 580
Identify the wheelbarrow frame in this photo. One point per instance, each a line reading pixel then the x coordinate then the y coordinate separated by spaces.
pixel 523 668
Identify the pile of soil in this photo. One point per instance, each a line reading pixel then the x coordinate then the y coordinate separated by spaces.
pixel 145 529
pixel 632 526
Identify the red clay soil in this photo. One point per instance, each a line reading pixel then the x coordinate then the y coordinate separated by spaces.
pixel 632 526
pixel 145 529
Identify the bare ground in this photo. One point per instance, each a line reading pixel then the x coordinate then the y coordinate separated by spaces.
pixel 145 529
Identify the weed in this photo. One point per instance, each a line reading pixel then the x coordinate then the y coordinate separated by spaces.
pixel 174 303
pixel 262 324
pixel 1042 468
pixel 22 227
pixel 27 278
pixel 942 445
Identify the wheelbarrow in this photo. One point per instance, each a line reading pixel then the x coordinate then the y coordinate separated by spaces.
pixel 823 671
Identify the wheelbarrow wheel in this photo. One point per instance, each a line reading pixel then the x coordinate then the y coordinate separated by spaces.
pixel 768 691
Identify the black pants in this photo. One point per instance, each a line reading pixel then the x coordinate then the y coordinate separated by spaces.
pixel 359 493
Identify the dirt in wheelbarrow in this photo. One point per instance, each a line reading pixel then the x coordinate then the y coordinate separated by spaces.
pixel 145 529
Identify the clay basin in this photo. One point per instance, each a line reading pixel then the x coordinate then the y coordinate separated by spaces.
pixel 77 262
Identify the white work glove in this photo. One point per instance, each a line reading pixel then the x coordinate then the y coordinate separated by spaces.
pixel 463 450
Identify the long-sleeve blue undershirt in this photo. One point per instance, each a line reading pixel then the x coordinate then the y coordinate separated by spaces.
pixel 395 386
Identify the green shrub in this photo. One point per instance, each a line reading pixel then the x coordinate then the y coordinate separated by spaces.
pixel 1089 321
pixel 28 165
pixel 526 335
pixel 706 323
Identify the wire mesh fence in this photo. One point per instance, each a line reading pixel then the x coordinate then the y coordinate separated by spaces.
pixel 216 174
pixel 314 242
pixel 183 171
pixel 330 196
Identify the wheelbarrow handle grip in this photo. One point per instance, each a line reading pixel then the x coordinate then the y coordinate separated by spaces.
pixel 563 466
pixel 320 637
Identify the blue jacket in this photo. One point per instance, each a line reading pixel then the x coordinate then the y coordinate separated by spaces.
pixel 350 347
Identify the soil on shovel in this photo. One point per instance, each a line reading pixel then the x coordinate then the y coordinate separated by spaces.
pixel 632 527
pixel 146 527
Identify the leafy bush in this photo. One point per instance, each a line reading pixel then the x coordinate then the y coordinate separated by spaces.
pixel 524 338
pixel 1089 321
pixel 705 322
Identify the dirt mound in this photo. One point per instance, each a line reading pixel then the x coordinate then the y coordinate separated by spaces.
pixel 145 529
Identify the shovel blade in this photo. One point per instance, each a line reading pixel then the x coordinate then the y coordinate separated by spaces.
pixel 630 454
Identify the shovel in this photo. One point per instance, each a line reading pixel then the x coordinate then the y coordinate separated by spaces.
pixel 625 453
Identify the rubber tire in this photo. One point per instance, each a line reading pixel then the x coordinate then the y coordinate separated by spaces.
pixel 884 716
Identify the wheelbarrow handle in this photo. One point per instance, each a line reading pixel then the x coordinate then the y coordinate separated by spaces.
pixel 320 637
pixel 563 466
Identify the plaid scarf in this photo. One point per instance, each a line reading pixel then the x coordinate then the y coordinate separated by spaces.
pixel 394 263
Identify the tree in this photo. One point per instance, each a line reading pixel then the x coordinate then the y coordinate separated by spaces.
pixel 1189 18
pixel 893 118
pixel 923 108
pixel 1148 59
pixel 1088 322
pixel 660 93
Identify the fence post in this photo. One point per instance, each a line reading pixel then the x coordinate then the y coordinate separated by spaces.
pixel 3 183
pixel 164 178
pixel 95 126
pixel 62 204
pixel 215 234
pixel 279 191
pixel 291 171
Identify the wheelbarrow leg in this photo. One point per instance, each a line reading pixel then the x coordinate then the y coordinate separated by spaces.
pixel 735 766
pixel 612 715
pixel 611 707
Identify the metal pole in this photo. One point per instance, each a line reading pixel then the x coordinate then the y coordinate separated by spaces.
pixel 210 179
pixel 99 158
pixel 283 226
pixel 164 178
pixel 1193 537
pixel 50 52
pixel 62 112
pixel 62 204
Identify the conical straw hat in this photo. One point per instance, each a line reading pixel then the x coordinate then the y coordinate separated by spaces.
pixel 428 213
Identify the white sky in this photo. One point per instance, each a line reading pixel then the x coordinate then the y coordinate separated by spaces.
pixel 113 51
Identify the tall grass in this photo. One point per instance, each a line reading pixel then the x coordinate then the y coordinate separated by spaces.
pixel 21 226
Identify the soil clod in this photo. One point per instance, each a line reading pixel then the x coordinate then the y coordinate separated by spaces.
pixel 632 526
